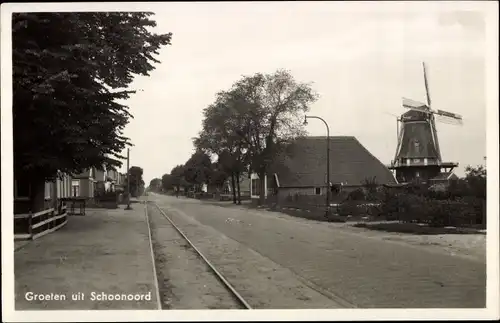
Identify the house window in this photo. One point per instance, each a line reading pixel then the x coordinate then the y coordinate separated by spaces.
pixel 317 190
pixel 75 188
pixel 416 160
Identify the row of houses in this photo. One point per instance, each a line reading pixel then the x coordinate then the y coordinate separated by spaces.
pixel 83 185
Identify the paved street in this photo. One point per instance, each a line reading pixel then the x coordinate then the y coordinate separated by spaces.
pixel 357 268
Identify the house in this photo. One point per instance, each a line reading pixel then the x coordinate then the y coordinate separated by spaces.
pixel 53 191
pixel 100 180
pixel 93 180
pixel 227 188
pixel 301 168
pixel 62 186
pixel 121 182
pixel 33 219
pixel 84 184
pixel 112 179
pixel 442 181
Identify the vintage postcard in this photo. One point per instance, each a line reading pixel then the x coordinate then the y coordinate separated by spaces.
pixel 176 161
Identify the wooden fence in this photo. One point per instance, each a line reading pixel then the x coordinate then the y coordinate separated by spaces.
pixel 31 226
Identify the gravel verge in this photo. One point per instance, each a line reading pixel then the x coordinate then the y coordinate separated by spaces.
pixel 184 280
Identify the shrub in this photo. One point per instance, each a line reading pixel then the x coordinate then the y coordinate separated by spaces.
pixel 358 208
pixel 390 205
pixel 303 201
pixel 357 195
pixel 412 207
pixel 438 213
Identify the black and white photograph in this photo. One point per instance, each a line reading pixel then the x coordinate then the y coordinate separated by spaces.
pixel 186 160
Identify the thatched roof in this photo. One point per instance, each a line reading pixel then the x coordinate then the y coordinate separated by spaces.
pixel 303 163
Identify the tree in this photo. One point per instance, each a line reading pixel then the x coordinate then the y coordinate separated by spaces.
pixel 136 182
pixel 167 182
pixel 69 70
pixel 197 169
pixel 222 123
pixel 249 124
pixel 475 178
pixel 178 179
pixel 155 184
pixel 271 107
pixel 229 165
pixel 218 177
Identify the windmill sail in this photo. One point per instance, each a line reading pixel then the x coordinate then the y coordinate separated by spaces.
pixel 448 120
pixel 415 105
pixel 435 138
pixel 431 119
pixel 426 86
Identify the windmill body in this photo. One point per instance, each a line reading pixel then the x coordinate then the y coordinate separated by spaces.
pixel 418 156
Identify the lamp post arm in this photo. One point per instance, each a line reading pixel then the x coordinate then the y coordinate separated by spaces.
pixel 326 124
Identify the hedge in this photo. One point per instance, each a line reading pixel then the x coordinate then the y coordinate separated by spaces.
pixel 447 212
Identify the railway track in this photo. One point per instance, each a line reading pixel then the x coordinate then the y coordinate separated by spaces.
pixel 220 277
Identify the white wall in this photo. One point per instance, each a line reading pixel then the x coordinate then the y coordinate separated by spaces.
pixel 63 186
pixel 255 176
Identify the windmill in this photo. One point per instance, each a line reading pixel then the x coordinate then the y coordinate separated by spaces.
pixel 399 119
pixel 418 155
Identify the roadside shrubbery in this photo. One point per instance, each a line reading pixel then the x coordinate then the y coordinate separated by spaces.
pixel 462 204
pixel 443 209
pixel 355 208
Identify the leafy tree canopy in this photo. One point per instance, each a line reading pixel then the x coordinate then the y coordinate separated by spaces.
pixel 248 125
pixel 69 70
pixel 167 182
pixel 197 169
pixel 136 181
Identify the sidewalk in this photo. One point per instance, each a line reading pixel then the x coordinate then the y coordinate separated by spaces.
pixel 106 251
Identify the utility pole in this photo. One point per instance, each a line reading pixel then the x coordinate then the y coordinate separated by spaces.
pixel 128 180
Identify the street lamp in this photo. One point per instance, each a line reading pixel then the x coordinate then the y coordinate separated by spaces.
pixel 327 159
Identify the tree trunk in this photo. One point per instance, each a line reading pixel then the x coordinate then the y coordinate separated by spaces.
pixel 37 194
pixel 233 187
pixel 262 196
pixel 238 187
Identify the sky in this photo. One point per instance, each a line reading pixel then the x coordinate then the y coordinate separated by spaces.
pixel 360 63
